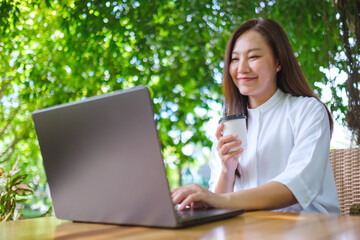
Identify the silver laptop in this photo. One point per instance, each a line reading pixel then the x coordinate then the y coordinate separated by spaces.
pixel 103 163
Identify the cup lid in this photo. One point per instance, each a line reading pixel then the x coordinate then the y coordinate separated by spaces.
pixel 232 117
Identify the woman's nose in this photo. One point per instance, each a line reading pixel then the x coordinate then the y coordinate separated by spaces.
pixel 243 67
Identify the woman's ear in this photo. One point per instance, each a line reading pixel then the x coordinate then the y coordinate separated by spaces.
pixel 278 65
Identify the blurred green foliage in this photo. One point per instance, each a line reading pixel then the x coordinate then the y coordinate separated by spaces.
pixel 11 189
pixel 55 52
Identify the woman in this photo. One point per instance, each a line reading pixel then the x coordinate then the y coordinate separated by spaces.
pixel 285 165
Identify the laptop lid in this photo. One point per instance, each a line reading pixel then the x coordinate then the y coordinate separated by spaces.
pixel 103 160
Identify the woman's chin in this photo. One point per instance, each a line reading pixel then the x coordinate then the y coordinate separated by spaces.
pixel 245 91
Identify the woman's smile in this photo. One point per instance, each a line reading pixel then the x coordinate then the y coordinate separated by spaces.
pixel 245 79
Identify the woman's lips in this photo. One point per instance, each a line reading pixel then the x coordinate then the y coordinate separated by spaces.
pixel 245 79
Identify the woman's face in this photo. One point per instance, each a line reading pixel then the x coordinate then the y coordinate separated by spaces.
pixel 253 68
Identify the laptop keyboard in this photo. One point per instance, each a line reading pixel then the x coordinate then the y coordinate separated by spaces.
pixel 193 213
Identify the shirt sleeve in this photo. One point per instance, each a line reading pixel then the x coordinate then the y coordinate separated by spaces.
pixel 305 170
pixel 215 167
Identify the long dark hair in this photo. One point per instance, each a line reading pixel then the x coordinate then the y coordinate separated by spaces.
pixel 290 79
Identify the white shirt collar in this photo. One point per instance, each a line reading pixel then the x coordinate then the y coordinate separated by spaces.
pixel 278 95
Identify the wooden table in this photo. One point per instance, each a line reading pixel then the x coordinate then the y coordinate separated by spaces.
pixel 250 225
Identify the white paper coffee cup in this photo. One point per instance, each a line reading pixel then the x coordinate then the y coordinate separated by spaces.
pixel 235 124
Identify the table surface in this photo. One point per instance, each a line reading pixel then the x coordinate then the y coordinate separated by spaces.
pixel 250 225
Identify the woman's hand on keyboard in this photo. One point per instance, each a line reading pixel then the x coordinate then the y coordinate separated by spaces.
pixel 195 196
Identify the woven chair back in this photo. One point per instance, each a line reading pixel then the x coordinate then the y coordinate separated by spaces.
pixel 346 168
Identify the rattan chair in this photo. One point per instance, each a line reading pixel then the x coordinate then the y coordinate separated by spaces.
pixel 346 167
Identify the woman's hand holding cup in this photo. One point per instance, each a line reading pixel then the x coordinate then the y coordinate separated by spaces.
pixel 231 135
pixel 225 146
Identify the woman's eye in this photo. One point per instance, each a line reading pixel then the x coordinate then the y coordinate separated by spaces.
pixel 253 57
pixel 234 59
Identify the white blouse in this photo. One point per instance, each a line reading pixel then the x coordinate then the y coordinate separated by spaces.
pixel 288 142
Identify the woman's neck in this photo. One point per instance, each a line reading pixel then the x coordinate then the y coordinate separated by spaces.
pixel 256 101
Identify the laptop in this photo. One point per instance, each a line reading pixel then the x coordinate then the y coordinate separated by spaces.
pixel 103 162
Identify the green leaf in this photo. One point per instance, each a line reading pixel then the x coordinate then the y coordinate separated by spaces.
pixel 21 200
pixel 2 172
pixel 48 212
pixel 17 180
pixel 23 189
